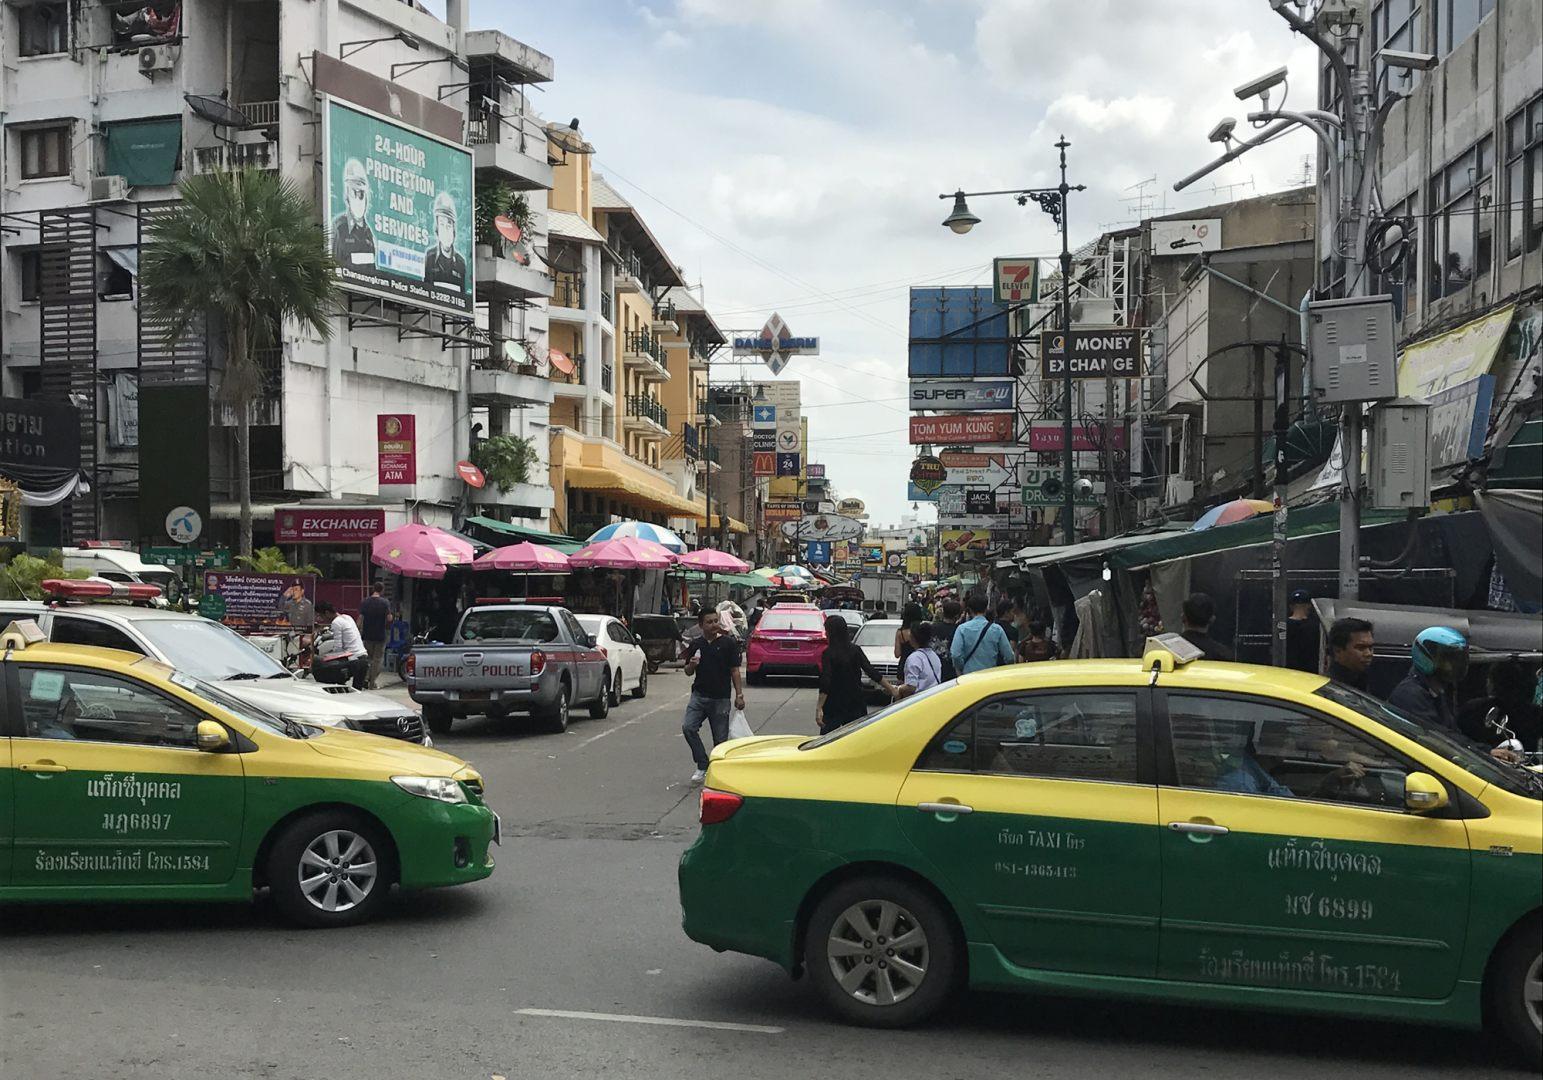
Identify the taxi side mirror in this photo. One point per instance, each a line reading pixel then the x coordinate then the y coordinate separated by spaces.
pixel 1424 793
pixel 212 738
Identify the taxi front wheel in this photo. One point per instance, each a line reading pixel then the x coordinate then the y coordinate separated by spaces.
pixel 1518 992
pixel 330 868
pixel 882 952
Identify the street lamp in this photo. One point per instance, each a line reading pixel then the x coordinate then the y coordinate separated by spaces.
pixel 1053 202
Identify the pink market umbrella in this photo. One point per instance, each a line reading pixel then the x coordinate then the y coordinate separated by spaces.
pixel 419 551
pixel 524 556
pixel 1229 512
pixel 712 561
pixel 629 553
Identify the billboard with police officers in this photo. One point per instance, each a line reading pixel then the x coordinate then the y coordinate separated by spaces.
pixel 399 210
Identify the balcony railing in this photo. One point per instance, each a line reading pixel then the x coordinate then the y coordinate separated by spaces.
pixel 641 341
pixel 608 305
pixel 231 156
pixel 605 378
pixel 568 290
pixel 488 125
pixel 647 408
pixel 260 114
pixel 664 313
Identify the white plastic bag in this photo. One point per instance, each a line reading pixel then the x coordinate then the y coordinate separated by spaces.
pixel 739 726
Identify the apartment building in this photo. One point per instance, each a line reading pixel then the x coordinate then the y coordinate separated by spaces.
pixel 106 107
pixel 611 313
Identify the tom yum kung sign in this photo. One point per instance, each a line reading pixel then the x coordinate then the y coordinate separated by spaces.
pixel 973 428
pixel 1107 352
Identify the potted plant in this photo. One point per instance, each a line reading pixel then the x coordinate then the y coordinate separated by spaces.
pixel 492 201
pixel 506 460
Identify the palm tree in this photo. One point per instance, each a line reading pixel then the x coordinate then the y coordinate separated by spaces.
pixel 244 247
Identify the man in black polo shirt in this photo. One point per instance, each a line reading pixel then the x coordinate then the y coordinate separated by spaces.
pixel 714 659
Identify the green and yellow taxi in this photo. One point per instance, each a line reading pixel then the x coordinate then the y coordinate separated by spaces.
pixel 123 779
pixel 1203 833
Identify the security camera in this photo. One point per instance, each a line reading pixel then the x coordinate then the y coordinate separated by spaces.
pixel 1083 486
pixel 1223 129
pixel 1262 85
pixel 1408 61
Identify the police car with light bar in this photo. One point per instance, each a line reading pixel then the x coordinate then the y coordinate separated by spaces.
pixel 117 616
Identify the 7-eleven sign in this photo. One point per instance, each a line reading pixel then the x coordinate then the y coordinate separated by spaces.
pixel 1015 281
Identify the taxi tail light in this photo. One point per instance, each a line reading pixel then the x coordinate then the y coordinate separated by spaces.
pixel 537 662
pixel 715 807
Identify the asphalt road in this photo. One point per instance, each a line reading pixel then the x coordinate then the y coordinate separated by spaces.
pixel 581 917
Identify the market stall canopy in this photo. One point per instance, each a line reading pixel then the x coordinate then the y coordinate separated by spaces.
pixel 629 553
pixel 1499 633
pixel 419 551
pixel 524 556
pixel 1045 556
pixel 641 530
pixel 717 562
pixel 506 532
pixel 1302 522
pixel 753 581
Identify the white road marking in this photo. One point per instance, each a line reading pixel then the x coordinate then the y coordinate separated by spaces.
pixel 658 1021
pixel 628 723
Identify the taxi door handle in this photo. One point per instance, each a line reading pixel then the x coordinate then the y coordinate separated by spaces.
pixel 944 808
pixel 1198 827
pixel 41 767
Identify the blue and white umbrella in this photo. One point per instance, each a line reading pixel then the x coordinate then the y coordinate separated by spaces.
pixel 642 530
pixel 793 570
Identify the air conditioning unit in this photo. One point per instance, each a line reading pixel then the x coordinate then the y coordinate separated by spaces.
pixel 1177 490
pixel 153 58
pixel 109 189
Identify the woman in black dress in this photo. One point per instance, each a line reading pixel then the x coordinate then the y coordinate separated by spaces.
pixel 842 697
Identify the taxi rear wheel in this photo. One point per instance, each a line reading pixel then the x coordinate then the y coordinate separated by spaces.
pixel 330 868
pixel 1518 990
pixel 882 952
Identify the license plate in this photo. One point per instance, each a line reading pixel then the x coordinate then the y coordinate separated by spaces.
pixel 498 829
pixel 791 645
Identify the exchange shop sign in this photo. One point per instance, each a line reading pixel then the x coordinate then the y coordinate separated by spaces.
pixel 960 395
pixel 977 428
pixel 1097 353
pixel 397 449
pixel 399 210
pixel 263 603
pixel 295 525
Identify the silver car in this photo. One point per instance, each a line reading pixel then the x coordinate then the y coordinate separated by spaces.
pixel 876 638
pixel 216 653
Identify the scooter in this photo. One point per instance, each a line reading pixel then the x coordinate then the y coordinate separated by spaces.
pixel 1500 724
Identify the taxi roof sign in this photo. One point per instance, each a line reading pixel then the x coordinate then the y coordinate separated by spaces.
pixel 1168 652
pixel 22 633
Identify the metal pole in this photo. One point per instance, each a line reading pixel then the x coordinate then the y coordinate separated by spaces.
pixel 1359 110
pixel 1068 527
pixel 1258 489
pixel 1278 531
pixel 707 450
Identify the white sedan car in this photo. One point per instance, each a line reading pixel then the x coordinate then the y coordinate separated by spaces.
pixel 629 667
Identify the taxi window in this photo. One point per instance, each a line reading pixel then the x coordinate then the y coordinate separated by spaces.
pixel 1253 747
pixel 73 705
pixel 1089 735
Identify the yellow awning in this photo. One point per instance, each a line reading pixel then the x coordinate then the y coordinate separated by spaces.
pixel 596 478
pixel 735 525
pixel 1438 363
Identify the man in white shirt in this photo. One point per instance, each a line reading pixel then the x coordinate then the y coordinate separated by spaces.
pixel 345 655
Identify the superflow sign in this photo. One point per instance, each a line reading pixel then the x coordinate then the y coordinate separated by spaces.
pixel 1096 353
pixel 1015 281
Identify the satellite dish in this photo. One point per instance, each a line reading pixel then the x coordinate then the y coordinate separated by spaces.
pixel 216 110
pixel 568 139
pixel 507 228
pixel 515 353
pixel 560 360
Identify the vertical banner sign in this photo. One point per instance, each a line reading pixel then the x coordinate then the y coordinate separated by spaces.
pixel 397 444
pixel 399 210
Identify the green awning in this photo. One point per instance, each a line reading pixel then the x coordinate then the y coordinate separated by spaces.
pixel 1302 522
pixel 1519 464
pixel 754 581
pixel 145 152
pixel 497 532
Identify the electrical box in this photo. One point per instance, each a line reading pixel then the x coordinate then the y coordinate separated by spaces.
pixel 1352 349
pixel 1399 459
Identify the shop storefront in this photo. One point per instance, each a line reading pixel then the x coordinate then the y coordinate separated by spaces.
pixel 336 541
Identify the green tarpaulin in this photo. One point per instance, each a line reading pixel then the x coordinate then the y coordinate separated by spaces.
pixel 146 152
pixel 493 530
pixel 1307 521
pixel 755 581
pixel 1519 464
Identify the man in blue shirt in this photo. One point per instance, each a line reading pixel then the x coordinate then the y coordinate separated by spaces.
pixel 979 643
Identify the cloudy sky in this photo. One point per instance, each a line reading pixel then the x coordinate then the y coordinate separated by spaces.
pixel 789 154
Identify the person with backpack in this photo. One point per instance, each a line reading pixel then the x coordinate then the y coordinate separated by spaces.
pixel 949 614
pixel 979 643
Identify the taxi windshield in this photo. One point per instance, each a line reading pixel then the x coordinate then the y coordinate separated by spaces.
pixel 873 718
pixel 1452 748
